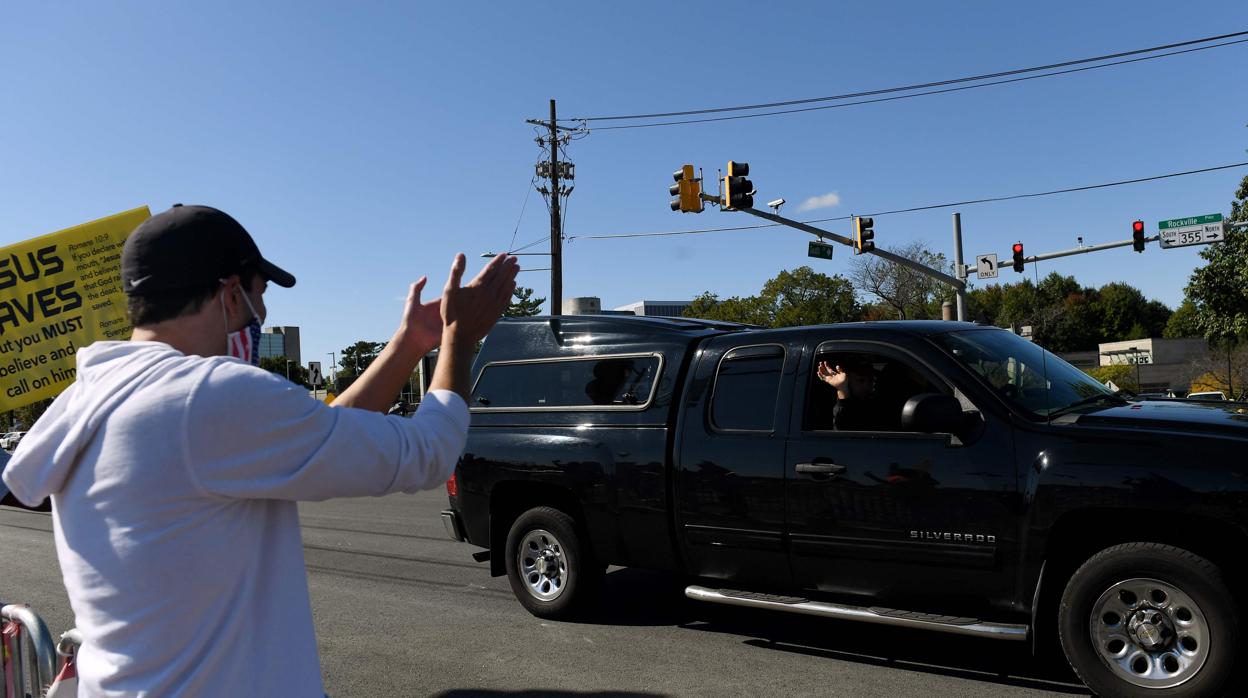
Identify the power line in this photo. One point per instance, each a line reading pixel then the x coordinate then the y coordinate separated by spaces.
pixel 916 94
pixel 913 209
pixel 919 86
pixel 523 206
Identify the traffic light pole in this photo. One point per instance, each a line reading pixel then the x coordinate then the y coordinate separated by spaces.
pixel 959 268
pixel 957 284
pixel 1084 250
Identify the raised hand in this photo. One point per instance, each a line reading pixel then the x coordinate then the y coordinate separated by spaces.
pixel 470 310
pixel 421 327
pixel 833 376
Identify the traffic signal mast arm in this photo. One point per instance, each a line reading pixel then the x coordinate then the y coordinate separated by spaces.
pixel 958 284
pixel 1085 249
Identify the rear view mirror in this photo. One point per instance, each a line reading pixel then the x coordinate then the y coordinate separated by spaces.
pixel 933 413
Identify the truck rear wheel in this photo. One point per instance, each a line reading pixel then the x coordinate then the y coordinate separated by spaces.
pixel 1145 619
pixel 550 565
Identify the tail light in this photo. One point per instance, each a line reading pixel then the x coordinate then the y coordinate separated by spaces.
pixel 452 488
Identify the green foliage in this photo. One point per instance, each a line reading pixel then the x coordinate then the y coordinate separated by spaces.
pixel 1065 316
pixel 798 297
pixel 1122 375
pixel 297 374
pixel 708 306
pixel 1183 322
pixel 23 417
pixel 1127 314
pixel 524 304
pixel 1219 289
pixel 806 297
pixel 353 360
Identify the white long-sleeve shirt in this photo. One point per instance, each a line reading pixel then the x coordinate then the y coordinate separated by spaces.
pixel 174 481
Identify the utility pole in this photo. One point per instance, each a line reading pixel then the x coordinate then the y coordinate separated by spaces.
pixel 333 364
pixel 559 173
pixel 556 230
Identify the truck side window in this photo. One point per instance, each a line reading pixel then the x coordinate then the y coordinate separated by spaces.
pixel 876 388
pixel 746 386
pixel 615 381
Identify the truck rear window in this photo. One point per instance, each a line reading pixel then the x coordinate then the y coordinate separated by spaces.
pixel 604 382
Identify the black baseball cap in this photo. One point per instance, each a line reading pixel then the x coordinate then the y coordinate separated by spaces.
pixel 190 246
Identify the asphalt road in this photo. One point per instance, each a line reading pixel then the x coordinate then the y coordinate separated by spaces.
pixel 401 610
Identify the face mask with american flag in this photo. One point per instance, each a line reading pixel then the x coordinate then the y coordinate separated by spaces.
pixel 245 343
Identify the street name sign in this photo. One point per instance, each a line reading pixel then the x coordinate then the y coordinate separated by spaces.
pixel 1196 230
pixel 986 266
pixel 822 250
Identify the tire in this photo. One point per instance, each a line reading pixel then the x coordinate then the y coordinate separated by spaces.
pixel 1146 619
pixel 551 568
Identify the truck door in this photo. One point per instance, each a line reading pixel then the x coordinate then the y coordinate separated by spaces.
pixel 916 521
pixel 730 464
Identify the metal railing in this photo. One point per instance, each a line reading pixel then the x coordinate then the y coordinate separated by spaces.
pixel 32 649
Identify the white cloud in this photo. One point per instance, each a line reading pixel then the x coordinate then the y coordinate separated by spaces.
pixel 824 201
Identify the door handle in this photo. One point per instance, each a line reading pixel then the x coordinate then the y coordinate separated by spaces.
pixel 820 468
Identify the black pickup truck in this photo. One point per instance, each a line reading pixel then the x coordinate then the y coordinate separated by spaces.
pixel 984 487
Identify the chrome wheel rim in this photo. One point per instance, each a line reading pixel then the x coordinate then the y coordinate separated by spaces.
pixel 1149 633
pixel 542 564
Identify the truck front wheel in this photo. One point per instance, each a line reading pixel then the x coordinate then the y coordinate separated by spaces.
pixel 550 564
pixel 1146 619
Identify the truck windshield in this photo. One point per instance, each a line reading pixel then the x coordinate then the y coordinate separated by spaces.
pixel 1026 375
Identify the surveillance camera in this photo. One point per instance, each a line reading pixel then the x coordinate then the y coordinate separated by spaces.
pixel 776 204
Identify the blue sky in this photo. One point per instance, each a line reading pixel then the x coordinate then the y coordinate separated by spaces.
pixel 363 144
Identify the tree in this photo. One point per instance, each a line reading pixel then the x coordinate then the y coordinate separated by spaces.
pixel 1183 322
pixel 744 310
pixel 1121 375
pixel 798 297
pixel 983 305
pixel 524 305
pixel 1127 314
pixel 1225 368
pixel 23 417
pixel 910 294
pixel 806 297
pixel 353 360
pixel 1219 289
pixel 278 364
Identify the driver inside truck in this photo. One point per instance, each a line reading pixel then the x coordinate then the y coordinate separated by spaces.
pixel 857 406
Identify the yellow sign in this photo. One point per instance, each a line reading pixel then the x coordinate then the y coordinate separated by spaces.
pixel 58 293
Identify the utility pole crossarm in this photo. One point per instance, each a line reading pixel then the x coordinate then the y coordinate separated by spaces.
pixel 898 259
pixel 546 124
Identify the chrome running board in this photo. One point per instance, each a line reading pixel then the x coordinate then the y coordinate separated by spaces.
pixel 882 616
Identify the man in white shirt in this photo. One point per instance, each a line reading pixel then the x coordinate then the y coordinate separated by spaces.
pixel 174 468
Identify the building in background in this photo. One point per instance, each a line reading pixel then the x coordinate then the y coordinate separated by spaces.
pixel 280 341
pixel 592 305
pixel 656 308
pixel 589 305
pixel 582 305
pixel 1162 364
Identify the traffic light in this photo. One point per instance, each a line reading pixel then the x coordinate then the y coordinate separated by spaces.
pixel 687 190
pixel 864 236
pixel 1137 236
pixel 1018 256
pixel 738 191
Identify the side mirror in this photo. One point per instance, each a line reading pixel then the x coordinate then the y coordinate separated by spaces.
pixel 933 413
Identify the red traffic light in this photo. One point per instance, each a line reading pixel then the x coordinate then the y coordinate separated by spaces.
pixel 1137 227
pixel 1018 248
